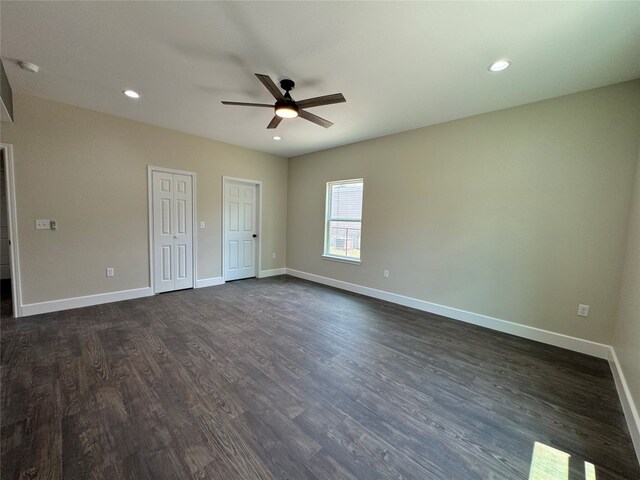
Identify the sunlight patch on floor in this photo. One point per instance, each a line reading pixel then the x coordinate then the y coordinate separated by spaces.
pixel 548 463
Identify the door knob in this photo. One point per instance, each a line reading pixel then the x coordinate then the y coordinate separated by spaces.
pixel 254 235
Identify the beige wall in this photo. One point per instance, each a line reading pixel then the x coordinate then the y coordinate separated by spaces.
pixel 518 214
pixel 627 333
pixel 88 171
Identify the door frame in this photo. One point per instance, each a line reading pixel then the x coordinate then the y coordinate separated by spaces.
pixel 258 185
pixel 12 223
pixel 194 243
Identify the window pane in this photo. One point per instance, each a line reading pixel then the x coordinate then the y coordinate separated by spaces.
pixel 344 239
pixel 346 201
pixel 343 218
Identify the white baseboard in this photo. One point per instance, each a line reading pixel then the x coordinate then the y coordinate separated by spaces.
pixel 628 405
pixel 545 336
pixel 272 273
pixel 209 282
pixel 86 301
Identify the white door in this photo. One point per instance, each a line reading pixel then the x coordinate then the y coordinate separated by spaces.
pixel 172 231
pixel 240 230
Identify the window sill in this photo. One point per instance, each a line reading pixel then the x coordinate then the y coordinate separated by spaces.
pixel 341 259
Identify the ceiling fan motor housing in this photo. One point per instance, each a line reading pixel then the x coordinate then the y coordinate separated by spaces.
pixel 287 84
pixel 287 107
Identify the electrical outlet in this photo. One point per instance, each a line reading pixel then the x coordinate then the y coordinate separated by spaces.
pixel 273 255
pixel 385 273
pixel 110 272
pixel 583 310
pixel 43 224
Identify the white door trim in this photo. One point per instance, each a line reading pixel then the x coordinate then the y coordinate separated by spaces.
pixel 258 184
pixel 12 217
pixel 150 170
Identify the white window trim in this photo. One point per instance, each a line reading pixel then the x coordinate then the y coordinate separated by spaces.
pixel 327 209
pixel 335 258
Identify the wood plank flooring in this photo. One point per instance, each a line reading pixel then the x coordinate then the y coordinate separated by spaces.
pixel 282 378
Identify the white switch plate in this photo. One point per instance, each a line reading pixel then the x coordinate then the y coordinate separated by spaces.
pixel 273 255
pixel 109 271
pixel 201 224
pixel 43 225
pixel 385 273
pixel 583 310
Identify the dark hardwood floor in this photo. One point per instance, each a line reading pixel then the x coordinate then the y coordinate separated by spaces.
pixel 282 378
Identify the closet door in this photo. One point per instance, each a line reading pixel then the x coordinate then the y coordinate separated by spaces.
pixel 182 232
pixel 172 231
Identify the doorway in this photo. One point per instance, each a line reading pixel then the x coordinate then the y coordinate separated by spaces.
pixel 171 221
pixel 10 298
pixel 6 305
pixel 241 228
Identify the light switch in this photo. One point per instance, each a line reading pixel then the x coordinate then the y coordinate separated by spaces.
pixel 201 224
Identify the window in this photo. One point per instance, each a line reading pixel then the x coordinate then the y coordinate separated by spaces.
pixel 343 219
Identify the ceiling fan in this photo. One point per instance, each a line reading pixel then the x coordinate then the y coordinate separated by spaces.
pixel 287 107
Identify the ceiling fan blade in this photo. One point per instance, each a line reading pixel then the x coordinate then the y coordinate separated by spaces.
pixel 242 104
pixel 275 121
pixel 272 87
pixel 323 100
pixel 315 119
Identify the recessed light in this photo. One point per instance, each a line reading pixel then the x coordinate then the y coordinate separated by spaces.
pixel 499 65
pixel 277 138
pixel 131 93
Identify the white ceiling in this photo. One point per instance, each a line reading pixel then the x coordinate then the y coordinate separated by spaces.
pixel 400 65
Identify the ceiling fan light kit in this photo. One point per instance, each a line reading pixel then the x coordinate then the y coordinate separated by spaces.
pixel 287 107
pixel 287 110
